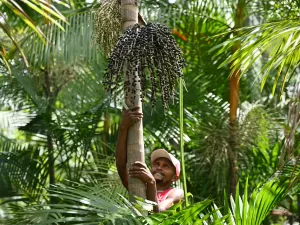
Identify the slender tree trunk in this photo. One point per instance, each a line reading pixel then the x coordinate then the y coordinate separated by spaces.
pixel 234 84
pixel 232 151
pixel 135 141
pixel 51 160
pixel 48 86
pixel 50 148
pixel 298 204
pixel 105 131
pixel 291 219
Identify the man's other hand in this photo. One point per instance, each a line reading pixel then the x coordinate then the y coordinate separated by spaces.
pixel 140 170
pixel 130 116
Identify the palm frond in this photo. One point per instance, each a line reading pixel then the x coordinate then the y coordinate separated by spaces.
pixel 13 95
pixel 195 11
pixel 197 213
pixel 81 204
pixel 8 31
pixel 10 120
pixel 43 8
pixel 22 168
pixel 82 89
pixel 278 39
pixel 67 47
pixel 262 200
pixel 257 142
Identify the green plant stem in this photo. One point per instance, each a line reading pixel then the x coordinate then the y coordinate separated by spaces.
pixel 183 177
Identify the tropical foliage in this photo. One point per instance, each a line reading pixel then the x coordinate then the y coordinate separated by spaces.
pixel 21 12
pixel 59 127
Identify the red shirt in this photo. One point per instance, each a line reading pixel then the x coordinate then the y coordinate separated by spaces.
pixel 161 196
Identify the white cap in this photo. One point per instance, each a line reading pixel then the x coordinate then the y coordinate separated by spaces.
pixel 162 153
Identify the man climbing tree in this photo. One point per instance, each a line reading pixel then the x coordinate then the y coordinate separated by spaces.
pixel 147 62
pixel 165 167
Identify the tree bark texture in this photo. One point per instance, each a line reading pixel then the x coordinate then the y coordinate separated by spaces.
pixel 234 85
pixel 135 141
pixel 129 12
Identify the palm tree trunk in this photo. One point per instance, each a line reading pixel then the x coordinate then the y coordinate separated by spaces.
pixel 234 84
pixel 232 151
pixel 50 148
pixel 298 204
pixel 135 141
pixel 51 160
pixel 291 219
pixel 105 131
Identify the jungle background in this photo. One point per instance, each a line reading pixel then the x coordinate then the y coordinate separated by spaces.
pixel 241 114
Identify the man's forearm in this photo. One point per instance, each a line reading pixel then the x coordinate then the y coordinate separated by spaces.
pixel 151 195
pixel 121 154
pixel 129 117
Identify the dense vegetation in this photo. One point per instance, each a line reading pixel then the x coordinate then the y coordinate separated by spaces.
pixel 58 126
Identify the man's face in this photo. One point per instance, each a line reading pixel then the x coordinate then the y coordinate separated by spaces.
pixel 163 171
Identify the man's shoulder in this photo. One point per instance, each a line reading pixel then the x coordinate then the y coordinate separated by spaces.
pixel 176 193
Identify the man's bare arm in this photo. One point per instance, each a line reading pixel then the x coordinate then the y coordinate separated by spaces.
pixel 121 155
pixel 129 117
pixel 139 170
pixel 173 198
